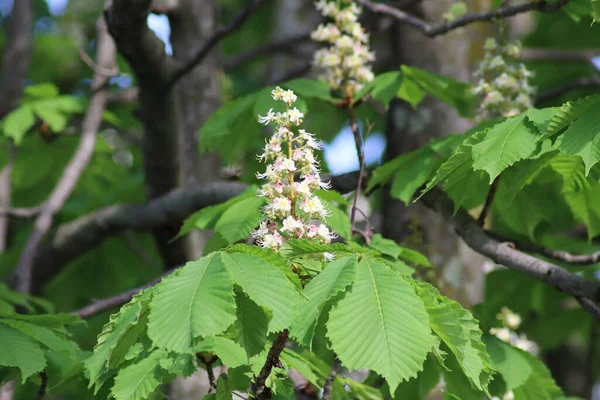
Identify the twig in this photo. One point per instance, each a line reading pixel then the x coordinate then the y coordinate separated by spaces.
pixel 329 382
pixel 21 212
pixel 98 70
pixel 464 20
pixel 99 306
pixel 581 83
pixel 5 196
pixel 284 45
pixel 212 41
pixel 488 202
pixel 42 391
pixel 262 391
pixel 561 55
pixel 71 174
pixel 558 255
pixel 361 160
pixel 208 362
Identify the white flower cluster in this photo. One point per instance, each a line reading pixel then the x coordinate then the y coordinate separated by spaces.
pixel 292 205
pixel 511 322
pixel 504 82
pixel 345 62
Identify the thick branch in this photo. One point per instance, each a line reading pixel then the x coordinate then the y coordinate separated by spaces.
pixel 212 41
pixel 464 20
pixel 474 236
pixel 71 174
pixel 83 234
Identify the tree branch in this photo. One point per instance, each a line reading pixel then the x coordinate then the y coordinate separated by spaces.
pixel 212 41
pixel 476 238
pixel 21 212
pixel 560 55
pixel 99 306
pixel 262 391
pixel 83 234
pixel 72 172
pixel 558 255
pixel 464 20
pixel 361 160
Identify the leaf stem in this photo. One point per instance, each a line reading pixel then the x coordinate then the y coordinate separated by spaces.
pixel 208 362
pixel 42 392
pixel 488 202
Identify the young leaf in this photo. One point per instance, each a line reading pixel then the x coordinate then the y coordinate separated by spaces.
pixel 381 324
pixel 383 88
pixel 266 285
pixel 138 380
pixel 202 294
pixel 19 350
pixel 335 278
pixel 412 176
pixel 505 144
pixel 228 351
pixel 16 124
pixel 301 247
pixel 383 174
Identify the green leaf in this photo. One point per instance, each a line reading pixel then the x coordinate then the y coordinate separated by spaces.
pixel 252 325
pixel 307 369
pixel 411 92
pixel 412 176
pixel 540 384
pixel 42 91
pixel 223 390
pixel 266 285
pixel 20 351
pixel 207 217
pixel 202 294
pixel 303 247
pixel 385 246
pixel 524 173
pixel 138 380
pixel 383 174
pixel 569 112
pixel 509 362
pixel 269 256
pixel 456 94
pixel 541 117
pixel 42 335
pixel 339 221
pixel 383 88
pixel 16 124
pixel 505 144
pixel 333 196
pixel 381 324
pixel 335 278
pixel 414 257
pixel 585 208
pixel 460 331
pixel 240 219
pixel 572 171
pixel 228 351
pixel 582 137
pixel 52 116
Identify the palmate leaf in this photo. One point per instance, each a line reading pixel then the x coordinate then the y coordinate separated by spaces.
pixel 381 324
pixel 460 331
pixel 266 285
pixel 20 351
pixel 582 137
pixel 202 294
pixel 335 278
pixel 504 144
pixel 138 380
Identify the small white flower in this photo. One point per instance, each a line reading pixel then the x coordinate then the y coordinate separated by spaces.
pixel 272 241
pixel 290 224
pixel 261 230
pixel 295 116
pixel 267 118
pixel 503 334
pixel 281 204
pixel 277 93
pixel 344 42
pixel 302 188
pixel 329 256
pixel 325 233
pixel 289 97
pixel 490 44
pixel 313 231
